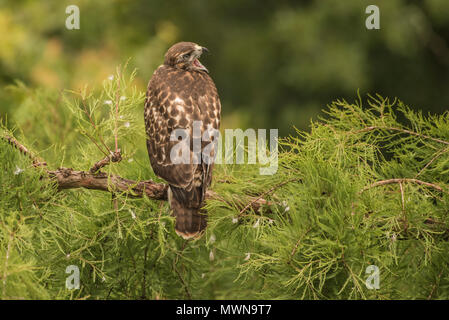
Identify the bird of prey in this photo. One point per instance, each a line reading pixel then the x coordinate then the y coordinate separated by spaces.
pixel 180 95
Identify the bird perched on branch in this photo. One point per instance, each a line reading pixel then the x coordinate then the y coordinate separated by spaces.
pixel 182 95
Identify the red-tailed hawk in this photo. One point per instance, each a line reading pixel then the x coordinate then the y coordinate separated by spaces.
pixel 182 95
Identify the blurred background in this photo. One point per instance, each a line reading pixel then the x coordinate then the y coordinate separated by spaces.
pixel 276 63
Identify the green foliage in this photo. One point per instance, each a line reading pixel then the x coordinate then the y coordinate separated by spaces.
pixel 325 224
pixel 275 64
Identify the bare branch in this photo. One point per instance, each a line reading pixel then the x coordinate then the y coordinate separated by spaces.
pixel 16 144
pixel 67 178
pixel 113 157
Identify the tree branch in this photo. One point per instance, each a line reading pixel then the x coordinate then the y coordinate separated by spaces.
pixel 68 178
pixel 16 144
pixel 113 157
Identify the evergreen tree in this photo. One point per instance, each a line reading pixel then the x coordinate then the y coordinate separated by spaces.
pixel 368 185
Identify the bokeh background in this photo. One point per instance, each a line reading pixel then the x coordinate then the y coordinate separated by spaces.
pixel 276 63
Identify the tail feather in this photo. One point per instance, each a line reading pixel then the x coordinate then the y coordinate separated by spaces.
pixel 190 221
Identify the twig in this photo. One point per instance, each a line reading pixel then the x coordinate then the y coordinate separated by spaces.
pixel 16 144
pixel 403 206
pixel 402 197
pixel 113 157
pixel 292 254
pixel 249 205
pixel 256 203
pixel 95 127
pixel 403 180
pixel 186 288
pixel 439 153
pixel 400 130
pixel 93 141
pixel 117 102
pixel 435 286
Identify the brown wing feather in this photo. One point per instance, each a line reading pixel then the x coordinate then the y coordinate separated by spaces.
pixel 176 98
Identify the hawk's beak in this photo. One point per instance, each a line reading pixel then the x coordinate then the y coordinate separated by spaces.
pixel 197 62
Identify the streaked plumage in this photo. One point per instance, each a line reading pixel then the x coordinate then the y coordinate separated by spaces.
pixel 179 93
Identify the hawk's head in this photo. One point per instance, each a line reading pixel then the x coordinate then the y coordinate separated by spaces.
pixel 185 55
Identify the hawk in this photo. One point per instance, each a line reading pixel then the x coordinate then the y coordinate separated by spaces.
pixel 180 95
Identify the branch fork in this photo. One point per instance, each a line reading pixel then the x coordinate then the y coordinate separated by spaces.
pixel 112 157
pixel 94 179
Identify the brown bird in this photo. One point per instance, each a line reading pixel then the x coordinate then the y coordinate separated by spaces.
pixel 179 93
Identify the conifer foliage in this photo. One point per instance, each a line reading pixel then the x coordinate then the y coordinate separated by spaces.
pixel 367 185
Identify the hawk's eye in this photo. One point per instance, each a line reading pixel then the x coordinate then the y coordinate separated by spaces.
pixel 185 56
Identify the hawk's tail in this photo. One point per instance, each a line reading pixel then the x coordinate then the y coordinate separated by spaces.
pixel 190 222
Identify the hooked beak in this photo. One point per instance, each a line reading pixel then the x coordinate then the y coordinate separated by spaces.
pixel 198 64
